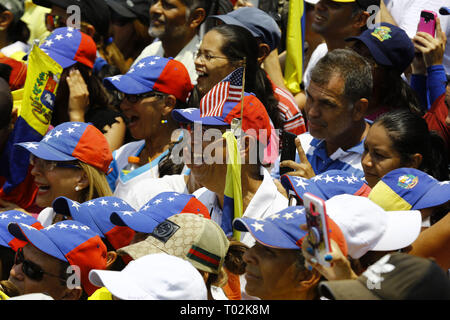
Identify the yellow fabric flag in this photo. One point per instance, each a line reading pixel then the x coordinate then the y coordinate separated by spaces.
pixel 293 71
pixel 232 204
pixel 42 80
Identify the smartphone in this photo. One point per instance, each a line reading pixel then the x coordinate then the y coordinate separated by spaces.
pixel 318 230
pixel 427 22
pixel 288 149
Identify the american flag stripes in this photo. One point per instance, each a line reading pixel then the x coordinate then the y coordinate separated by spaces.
pixel 229 89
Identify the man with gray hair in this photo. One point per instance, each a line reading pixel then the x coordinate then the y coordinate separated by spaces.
pixel 336 101
pixel 176 24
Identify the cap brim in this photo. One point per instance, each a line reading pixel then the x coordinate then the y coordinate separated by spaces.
pixel 136 221
pixel 36 238
pixel 435 196
pixel 345 290
pixel 127 84
pixel 227 19
pixel 282 241
pixel 119 284
pixel 402 228
pixel 191 115
pixel 46 152
pixel 49 3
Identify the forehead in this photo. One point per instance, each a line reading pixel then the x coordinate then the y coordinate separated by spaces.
pixel 40 258
pixel 334 88
pixel 378 135
pixel 212 41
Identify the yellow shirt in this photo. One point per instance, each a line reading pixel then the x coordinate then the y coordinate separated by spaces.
pixel 101 294
pixel 3 296
pixel 34 17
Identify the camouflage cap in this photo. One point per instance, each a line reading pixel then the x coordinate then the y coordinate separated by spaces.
pixel 199 240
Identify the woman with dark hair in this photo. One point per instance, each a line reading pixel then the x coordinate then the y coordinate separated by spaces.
pixel 225 48
pixel 400 138
pixel 14 33
pixel 81 95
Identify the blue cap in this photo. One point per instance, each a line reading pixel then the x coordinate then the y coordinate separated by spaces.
pixel 326 185
pixel 409 189
pixel 158 209
pixel 96 214
pixel 259 23
pixel 7 217
pixel 389 45
pixel 280 230
pixel 444 11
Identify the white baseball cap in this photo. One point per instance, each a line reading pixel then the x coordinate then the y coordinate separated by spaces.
pixel 156 276
pixel 312 1
pixel 368 227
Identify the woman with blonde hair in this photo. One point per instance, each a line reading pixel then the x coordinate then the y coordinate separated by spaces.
pixel 72 160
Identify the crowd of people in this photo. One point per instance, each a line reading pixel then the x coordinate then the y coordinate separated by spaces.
pixel 163 173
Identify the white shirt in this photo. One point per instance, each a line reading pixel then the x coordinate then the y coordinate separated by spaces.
pixel 266 201
pixel 406 14
pixel 185 56
pixel 320 51
pixel 138 192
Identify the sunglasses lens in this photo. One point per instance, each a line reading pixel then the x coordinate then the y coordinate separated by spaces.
pixel 31 271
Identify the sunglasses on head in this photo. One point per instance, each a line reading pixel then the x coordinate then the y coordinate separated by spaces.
pixel 48 165
pixel 32 270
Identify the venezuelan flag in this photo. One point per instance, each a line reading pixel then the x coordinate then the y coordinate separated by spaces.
pixel 34 116
pixel 293 72
pixel 232 203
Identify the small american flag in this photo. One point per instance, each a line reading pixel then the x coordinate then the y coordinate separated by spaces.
pixel 229 89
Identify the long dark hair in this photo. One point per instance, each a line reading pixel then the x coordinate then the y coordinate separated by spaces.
pixel 409 134
pixel 238 44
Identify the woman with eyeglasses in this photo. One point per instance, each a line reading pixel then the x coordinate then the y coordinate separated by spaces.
pixel 149 91
pixel 72 160
pixel 81 95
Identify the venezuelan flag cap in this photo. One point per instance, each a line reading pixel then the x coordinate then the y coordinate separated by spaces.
pixel 7 217
pixel 409 189
pixel 153 73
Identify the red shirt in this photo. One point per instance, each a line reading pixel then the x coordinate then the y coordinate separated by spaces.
pixel 435 118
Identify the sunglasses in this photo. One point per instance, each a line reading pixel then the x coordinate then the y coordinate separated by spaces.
pixel 46 165
pixel 133 98
pixel 30 269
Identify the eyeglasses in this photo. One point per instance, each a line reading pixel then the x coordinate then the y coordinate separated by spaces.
pixel 46 165
pixel 53 21
pixel 133 98
pixel 207 57
pixel 30 269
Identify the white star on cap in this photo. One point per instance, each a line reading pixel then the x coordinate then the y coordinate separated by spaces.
pixel 339 178
pixel 171 199
pixel 145 207
pixel 85 228
pixel 274 216
pixel 90 203
pixel 157 201
pixel 157 58
pixel 127 213
pixel 115 204
pixel 59 37
pixel 4 216
pixel 257 226
pixel 75 205
pixel 152 63
pixel 76 125
pixel 298 211
pixel 70 130
pixel 16 217
pixel 131 70
pixel 288 215
pixel 48 43
pixel 443 183
pixel 141 65
pixel 188 110
pixel 115 78
pixel 103 202
pixel 70 29
pixel 301 183
pixel 23 215
pixel 317 178
pixel 328 179
pixel 349 180
pixel 50 227
pixel 74 226
pixel 47 137
pixel 63 225
pixel 354 178
pixel 58 133
pixel 68 35
pixel 31 145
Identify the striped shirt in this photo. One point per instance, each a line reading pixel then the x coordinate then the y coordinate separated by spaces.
pixel 316 152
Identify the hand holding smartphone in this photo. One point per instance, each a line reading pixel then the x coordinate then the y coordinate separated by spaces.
pixel 318 230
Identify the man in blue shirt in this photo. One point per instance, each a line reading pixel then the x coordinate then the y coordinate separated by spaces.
pixel 337 99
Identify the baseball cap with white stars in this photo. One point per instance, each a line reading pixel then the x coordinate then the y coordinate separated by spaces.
pixel 6 239
pixel 68 46
pixel 73 141
pixel 154 73
pixel 95 213
pixel 69 241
